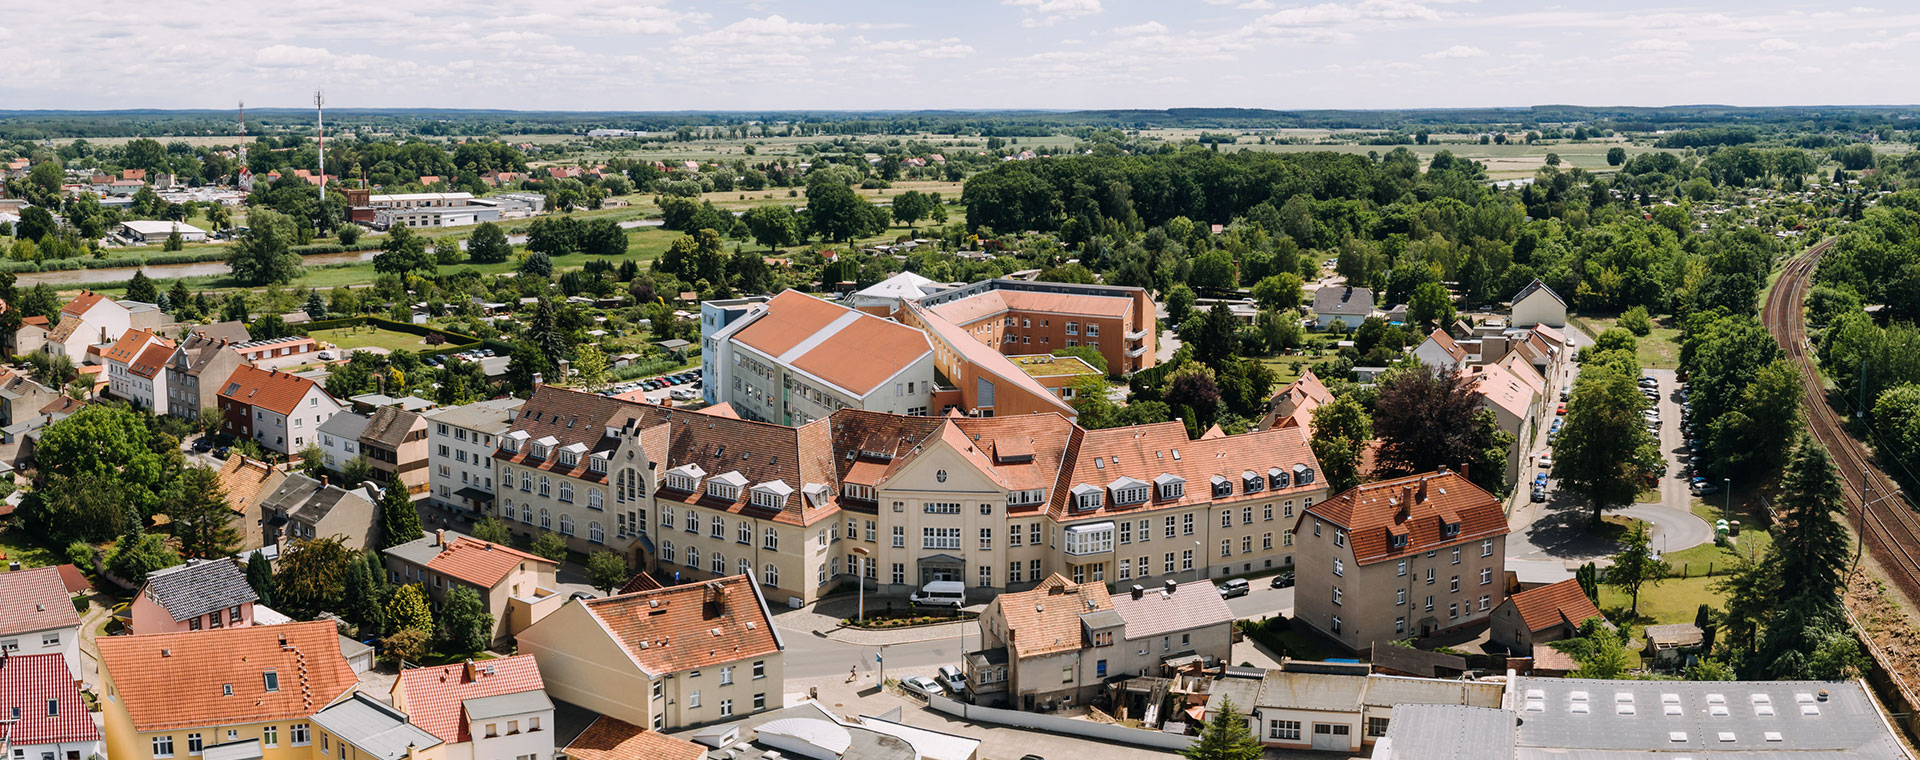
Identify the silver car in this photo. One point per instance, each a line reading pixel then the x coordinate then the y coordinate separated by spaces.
pixel 921 685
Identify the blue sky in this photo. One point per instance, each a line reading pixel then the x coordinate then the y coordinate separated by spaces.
pixel 780 54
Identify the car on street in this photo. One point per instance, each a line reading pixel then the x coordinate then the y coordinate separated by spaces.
pixel 1234 587
pixel 1702 489
pixel 951 679
pixel 1283 580
pixel 1540 479
pixel 203 444
pixel 1566 392
pixel 1561 409
pixel 921 685
pixel 1546 462
pixel 1539 494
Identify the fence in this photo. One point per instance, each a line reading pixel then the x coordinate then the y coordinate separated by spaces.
pixel 1058 725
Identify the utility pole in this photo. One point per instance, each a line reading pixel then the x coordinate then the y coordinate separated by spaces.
pixel 320 140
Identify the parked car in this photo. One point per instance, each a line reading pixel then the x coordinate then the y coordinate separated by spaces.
pixel 1702 489
pixel 1566 392
pixel 203 444
pixel 1283 580
pixel 1540 479
pixel 1546 462
pixel 1539 494
pixel 1233 587
pixel 951 679
pixel 921 685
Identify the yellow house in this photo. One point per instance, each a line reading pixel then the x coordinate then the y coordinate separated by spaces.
pixel 232 693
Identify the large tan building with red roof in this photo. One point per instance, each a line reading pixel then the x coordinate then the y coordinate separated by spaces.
pixel 664 659
pixel 281 412
pixel 996 502
pixel 253 691
pixel 1399 559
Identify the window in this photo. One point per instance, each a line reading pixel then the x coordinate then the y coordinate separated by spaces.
pixel 163 746
pixel 1226 547
pixel 899 536
pixel 1186 560
pixel 566 492
pixel 942 508
pixel 272 679
pixel 719 528
pixel 693 699
pixel 1400 625
pixel 1453 611
pixel 493 730
pixel 666 551
pixel 566 525
pixel 726 676
pixel 1285 730
pixel 719 564
pixel 1336 623
pixel 1226 518
pixel 1266 513
pixel 1013 572
pixel 1186 524
pixel 1169 563
pixel 1486 548
pixel 770 575
pixel 1286 538
pixel 53 639
pixel 759 670
pixel 270 736
pixel 759 702
pixel 1376 726
pixel 1429 576
pixel 1486 575
pixel 1339 538
pixel 1453 585
pixel 1126 569
pixel 1429 604
pixel 1399 597
pixel 300 734
pixel 986 576
pixel 1126 533
pixel 939 538
pixel 693 556
pixel 1486 600
pixel 986 539
pixel 770 540
pixel 595 533
pixel 726 707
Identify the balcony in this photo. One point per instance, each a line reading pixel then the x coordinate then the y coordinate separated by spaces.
pixel 1134 353
pixel 1137 335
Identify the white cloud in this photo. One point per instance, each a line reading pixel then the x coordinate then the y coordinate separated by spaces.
pixel 1150 27
pixel 1458 51
pixel 1775 45
pixel 290 55
pixel 1328 14
pixel 948 48
pixel 1660 45
pixel 1040 13
pixel 1255 5
pixel 764 34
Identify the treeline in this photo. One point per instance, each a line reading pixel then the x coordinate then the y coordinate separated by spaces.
pixel 1875 358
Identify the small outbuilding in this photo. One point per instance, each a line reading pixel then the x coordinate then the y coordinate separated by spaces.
pixel 148 231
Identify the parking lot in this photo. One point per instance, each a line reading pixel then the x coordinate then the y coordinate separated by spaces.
pixel 666 390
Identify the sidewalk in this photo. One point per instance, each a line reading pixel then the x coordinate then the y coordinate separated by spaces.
pixel 823 618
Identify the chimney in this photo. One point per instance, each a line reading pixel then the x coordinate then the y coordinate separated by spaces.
pixel 1406 496
pixel 1422 495
pixel 1139 591
pixel 323 480
pixel 539 379
pixel 440 537
pixel 1463 468
pixel 1172 586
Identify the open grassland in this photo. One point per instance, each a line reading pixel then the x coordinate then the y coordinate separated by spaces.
pixel 370 336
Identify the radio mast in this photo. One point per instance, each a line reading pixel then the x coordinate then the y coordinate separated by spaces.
pixel 320 129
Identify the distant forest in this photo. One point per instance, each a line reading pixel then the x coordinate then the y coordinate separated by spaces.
pixel 38 125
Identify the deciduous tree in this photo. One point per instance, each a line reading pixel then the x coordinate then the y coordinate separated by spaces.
pixel 399 519
pixel 606 570
pixel 465 624
pixel 409 609
pixel 1604 452
pixel 1635 567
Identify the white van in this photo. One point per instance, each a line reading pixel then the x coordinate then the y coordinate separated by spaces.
pixel 941 594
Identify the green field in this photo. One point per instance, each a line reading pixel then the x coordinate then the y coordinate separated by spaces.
pixel 370 336
pixel 1659 349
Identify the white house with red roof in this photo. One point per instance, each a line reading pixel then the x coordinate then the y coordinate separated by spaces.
pixel 136 364
pixel 280 411
pixel 41 712
pixel 481 710
pixel 36 616
pixel 90 319
pixel 516 587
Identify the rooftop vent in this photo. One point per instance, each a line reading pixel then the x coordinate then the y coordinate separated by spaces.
pixel 1725 736
pixel 1676 737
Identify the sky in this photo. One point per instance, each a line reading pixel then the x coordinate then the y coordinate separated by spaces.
pixel 660 55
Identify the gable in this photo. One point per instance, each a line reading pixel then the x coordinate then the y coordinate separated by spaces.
pixel 964 473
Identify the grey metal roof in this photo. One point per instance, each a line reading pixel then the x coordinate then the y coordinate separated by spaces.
pixel 1704 719
pixel 1387 691
pixel 346 425
pixel 502 705
pixel 491 417
pixel 1450 732
pixel 422 550
pixel 1098 619
pixel 374 728
pixel 1244 692
pixel 304 497
pixel 199 587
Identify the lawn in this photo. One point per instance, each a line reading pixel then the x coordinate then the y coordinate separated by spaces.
pixel 371 336
pixel 16 546
pixel 1675 600
pixel 1658 350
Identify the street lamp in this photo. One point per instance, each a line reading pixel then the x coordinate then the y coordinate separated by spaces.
pixel 860 577
pixel 1726 511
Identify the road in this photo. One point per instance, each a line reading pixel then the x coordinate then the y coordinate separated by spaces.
pixel 812 657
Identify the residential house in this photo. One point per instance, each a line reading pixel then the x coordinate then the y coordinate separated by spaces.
pixel 716 315
pixel 1669 645
pixel 1170 622
pixel 1517 396
pixel 395 441
pixel 42 714
pixel 37 617
pixel 1541 615
pixel 1441 352
pixel 1400 558
pixel 134 369
pixel 1537 304
pixel 1294 405
pixel 460 453
pixel 201 594
pixel 1059 638
pixel 304 508
pixel 1347 305
pixel 515 586
pixel 90 319
pixel 234 692
pixel 196 370
pixel 281 412
pixel 246 482
pixel 481 710
pixel 614 739
pixel 1332 707
pixel 364 728
pixel 665 659
pixel 340 439
pixel 21 399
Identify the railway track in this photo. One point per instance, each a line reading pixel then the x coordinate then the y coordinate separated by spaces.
pixel 1888 528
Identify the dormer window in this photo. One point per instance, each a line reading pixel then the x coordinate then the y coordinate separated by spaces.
pixel 1251 482
pixel 569 458
pixel 771 494
pixel 1127 491
pixel 1450 528
pixel 816 494
pixel 511 441
pixel 1086 497
pixel 1170 486
pixel 726 486
pixel 1302 474
pixel 597 463
pixel 1222 486
pixel 1277 478
pixel 1026 497
pixel 685 478
pixel 857 491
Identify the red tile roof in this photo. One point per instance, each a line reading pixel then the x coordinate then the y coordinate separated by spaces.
pixel 689 627
pixel 81 304
pixel 1547 606
pixel 176 680
pixel 1372 511
pixel 27 683
pixel 131 343
pixel 434 696
pixel 271 390
pixel 615 739
pixel 851 350
pixel 1145 452
pixel 1447 344
pixel 480 563
pixel 75 581
pixel 34 600
pixel 1046 618
pixel 153 360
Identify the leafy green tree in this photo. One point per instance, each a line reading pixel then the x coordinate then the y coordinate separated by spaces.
pixel 553 546
pixel 1278 292
pixel 1604 452
pixel 1341 431
pixel 603 237
pixel 1226 737
pixel 1756 435
pixel 493 529
pixel 1616 156
pixel 836 212
pixel 202 521
pixel 349 234
pixel 911 206
pixel 1635 567
pixel 1636 321
pixel 1425 420
pixel 446 251
pixel 311 575
pixel 86 507
pixel 1604 655
pixel 264 254
pixel 141 288
pixel 399 519
pixel 1709 669
pixel 408 608
pixel 362 600
pixel 1588 576
pixel 356 471
pixel 465 624
pixel 403 252
pixel 315 307
pixel 773 226
pixel 174 242
pixel 260 577
pixel 606 570
pixel 1214 272
pixel 537 265
pixel 135 555
pixel 1280 330
pixel 1430 305
pixel 488 244
pixel 181 299
pixel 407 645
pixel 1179 301
pixel 114 443
pixel 1217 342
pixel 591 363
